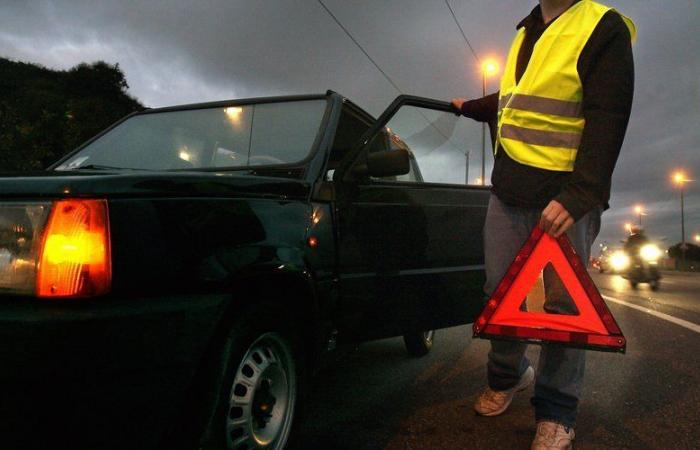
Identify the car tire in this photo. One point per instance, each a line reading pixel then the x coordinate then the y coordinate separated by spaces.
pixel 419 343
pixel 655 285
pixel 261 389
pixel 633 284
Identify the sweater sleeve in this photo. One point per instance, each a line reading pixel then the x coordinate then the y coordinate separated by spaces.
pixel 482 109
pixel 606 70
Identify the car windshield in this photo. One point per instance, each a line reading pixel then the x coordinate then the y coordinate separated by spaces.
pixel 226 137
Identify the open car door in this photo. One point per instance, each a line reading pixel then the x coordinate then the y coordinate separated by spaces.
pixel 410 216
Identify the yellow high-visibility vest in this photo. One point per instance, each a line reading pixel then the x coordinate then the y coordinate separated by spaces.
pixel 540 119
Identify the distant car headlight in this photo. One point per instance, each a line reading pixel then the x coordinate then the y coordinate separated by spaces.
pixel 619 260
pixel 650 252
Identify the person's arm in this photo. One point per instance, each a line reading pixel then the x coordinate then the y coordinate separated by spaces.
pixel 606 69
pixel 608 87
pixel 484 109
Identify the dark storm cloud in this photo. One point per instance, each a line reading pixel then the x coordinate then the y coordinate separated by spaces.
pixel 181 51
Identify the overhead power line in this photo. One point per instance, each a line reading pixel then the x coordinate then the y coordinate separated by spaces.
pixel 388 78
pixel 360 46
pixel 462 31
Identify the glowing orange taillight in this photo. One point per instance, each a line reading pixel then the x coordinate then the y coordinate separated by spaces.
pixel 75 258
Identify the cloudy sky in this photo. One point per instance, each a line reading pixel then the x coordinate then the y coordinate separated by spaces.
pixel 181 51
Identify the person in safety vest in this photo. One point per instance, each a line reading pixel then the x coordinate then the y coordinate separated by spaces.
pixel 559 117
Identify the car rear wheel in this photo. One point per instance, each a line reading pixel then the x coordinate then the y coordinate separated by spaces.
pixel 419 343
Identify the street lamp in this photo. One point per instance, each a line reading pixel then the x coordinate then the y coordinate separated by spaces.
pixel 489 68
pixel 628 227
pixel 680 179
pixel 697 238
pixel 639 209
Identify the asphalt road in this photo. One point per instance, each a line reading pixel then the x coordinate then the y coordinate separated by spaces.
pixel 376 397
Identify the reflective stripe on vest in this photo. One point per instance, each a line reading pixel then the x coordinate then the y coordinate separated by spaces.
pixel 540 120
pixel 542 105
pixel 539 137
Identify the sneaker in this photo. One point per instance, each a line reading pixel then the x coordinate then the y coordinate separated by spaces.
pixel 553 436
pixel 492 403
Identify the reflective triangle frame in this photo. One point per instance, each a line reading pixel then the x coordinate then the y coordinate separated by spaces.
pixel 593 328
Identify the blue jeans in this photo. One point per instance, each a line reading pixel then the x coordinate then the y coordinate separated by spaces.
pixel 559 373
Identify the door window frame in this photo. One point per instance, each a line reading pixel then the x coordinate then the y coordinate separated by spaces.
pixel 343 174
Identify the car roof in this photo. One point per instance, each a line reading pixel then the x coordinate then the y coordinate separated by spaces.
pixel 257 100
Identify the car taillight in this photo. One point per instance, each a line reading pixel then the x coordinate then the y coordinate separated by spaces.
pixel 75 260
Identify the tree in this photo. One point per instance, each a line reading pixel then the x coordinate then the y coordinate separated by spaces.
pixel 692 252
pixel 45 113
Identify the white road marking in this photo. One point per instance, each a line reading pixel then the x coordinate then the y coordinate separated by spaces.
pixel 684 323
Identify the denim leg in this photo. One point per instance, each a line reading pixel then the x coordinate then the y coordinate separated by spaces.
pixel 560 369
pixel 505 231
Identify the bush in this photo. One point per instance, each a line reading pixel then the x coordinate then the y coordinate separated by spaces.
pixel 45 113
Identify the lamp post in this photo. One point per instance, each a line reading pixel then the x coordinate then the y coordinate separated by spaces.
pixel 466 167
pixel 488 68
pixel 639 209
pixel 680 179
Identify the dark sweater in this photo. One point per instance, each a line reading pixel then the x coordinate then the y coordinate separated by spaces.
pixel 606 69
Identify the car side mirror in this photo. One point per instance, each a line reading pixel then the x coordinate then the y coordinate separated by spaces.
pixel 384 164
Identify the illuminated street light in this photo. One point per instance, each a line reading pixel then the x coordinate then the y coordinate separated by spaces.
pixel 489 68
pixel 697 238
pixel 681 179
pixel 628 227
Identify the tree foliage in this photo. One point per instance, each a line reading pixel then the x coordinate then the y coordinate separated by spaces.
pixel 692 251
pixel 46 113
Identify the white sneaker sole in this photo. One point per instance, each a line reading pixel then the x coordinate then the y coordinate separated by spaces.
pixel 525 382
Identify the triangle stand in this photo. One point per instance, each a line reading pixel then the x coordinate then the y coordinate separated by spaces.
pixel 594 327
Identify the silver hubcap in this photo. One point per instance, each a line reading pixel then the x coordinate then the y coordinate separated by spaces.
pixel 428 336
pixel 261 403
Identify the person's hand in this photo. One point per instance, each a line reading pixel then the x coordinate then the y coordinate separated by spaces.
pixel 555 219
pixel 457 102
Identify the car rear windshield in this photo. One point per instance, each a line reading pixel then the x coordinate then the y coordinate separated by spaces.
pixel 223 137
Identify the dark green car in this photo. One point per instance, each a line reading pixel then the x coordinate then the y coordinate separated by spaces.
pixel 176 281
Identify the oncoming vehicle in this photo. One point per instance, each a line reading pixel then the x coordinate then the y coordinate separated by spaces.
pixel 617 261
pixel 178 280
pixel 611 260
pixel 637 261
pixel 643 265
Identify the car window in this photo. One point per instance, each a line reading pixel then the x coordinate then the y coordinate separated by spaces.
pixel 232 137
pixel 387 141
pixel 446 148
pixel 350 128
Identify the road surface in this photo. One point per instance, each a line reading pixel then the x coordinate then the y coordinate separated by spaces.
pixel 378 398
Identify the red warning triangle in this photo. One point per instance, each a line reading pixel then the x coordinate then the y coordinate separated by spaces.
pixel 502 318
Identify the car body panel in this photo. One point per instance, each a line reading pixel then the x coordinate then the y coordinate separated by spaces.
pixel 405 260
pixel 99 374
